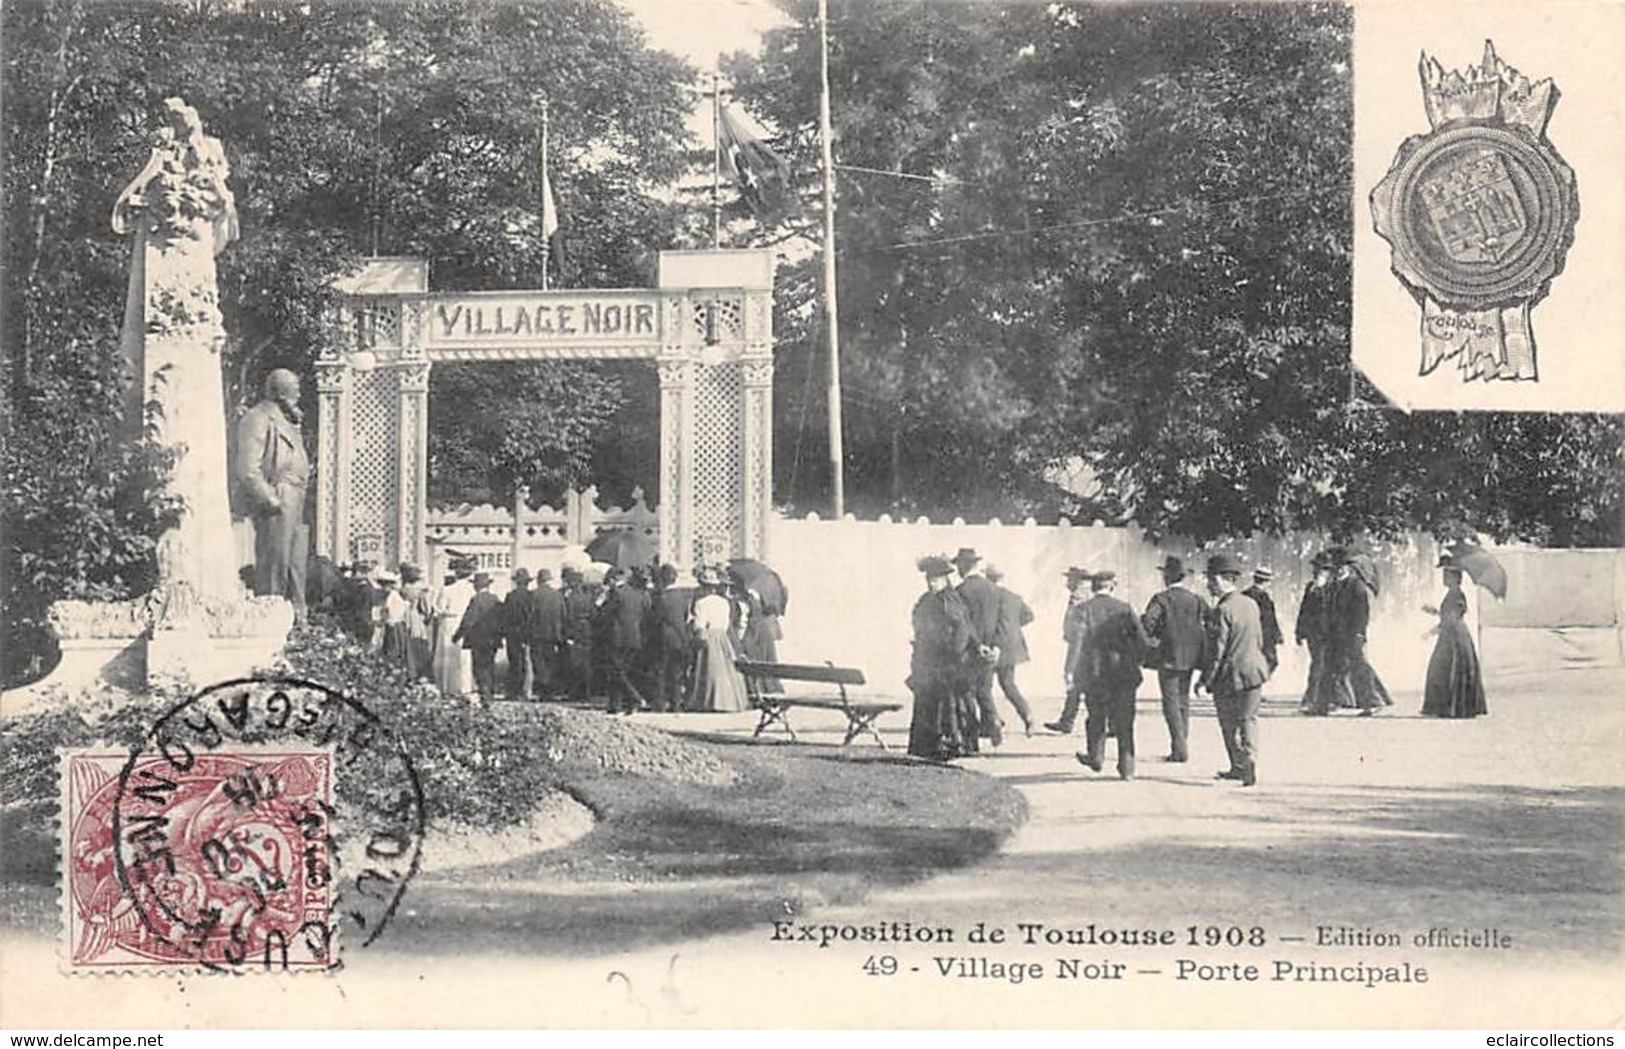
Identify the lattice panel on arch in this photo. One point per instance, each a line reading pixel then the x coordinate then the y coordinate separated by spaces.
pixel 374 495
pixel 719 320
pixel 377 323
pixel 719 473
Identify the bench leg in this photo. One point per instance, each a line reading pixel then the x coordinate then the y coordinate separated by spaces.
pixel 771 713
pixel 856 723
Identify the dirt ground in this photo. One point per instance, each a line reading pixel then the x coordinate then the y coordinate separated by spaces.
pixel 1508 826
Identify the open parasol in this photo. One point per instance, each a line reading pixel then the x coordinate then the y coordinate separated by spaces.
pixel 1480 565
pixel 623 548
pixel 754 575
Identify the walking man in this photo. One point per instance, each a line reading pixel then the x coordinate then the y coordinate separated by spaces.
pixel 1110 647
pixel 1235 671
pixel 1012 645
pixel 1260 593
pixel 546 628
pixel 481 633
pixel 580 609
pixel 982 602
pixel 675 640
pixel 1175 625
pixel 1352 681
pixel 517 611
pixel 1310 630
pixel 1077 586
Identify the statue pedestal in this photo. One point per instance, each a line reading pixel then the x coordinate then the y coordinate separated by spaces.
pixel 115 645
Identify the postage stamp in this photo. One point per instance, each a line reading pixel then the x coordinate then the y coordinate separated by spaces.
pixel 227 841
pixel 181 859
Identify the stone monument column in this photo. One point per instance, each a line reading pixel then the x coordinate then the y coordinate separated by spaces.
pixel 181 214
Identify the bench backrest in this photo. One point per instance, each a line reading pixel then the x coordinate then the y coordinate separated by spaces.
pixel 827 673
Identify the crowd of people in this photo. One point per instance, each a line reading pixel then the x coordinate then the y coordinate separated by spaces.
pixel 1226 642
pixel 632 639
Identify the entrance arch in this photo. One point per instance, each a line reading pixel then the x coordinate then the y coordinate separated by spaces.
pixel 706 326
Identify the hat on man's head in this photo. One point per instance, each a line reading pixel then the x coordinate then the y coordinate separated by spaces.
pixel 1449 561
pixel 966 556
pixel 1224 564
pixel 385 577
pixel 708 574
pixel 1103 577
pixel 482 579
pixel 1322 559
pixel 1076 575
pixel 1263 573
pixel 934 565
pixel 1346 555
pixel 544 574
pixel 992 572
pixel 521 575
pixel 1173 566
pixel 411 573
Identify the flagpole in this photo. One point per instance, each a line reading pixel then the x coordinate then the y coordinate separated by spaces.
pixel 836 444
pixel 716 158
pixel 545 188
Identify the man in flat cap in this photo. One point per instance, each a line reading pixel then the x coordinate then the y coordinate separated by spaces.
pixel 982 602
pixel 1077 588
pixel 1234 670
pixel 272 474
pixel 1175 625
pixel 1260 593
pixel 1110 647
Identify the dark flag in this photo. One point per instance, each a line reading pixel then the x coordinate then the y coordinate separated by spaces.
pixel 763 176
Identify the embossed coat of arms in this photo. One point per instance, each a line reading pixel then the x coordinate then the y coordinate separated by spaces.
pixel 1480 213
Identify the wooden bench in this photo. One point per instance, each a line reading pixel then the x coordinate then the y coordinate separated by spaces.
pixel 775 706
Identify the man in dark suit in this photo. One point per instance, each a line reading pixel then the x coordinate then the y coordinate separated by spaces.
pixel 981 600
pixel 1174 623
pixel 272 474
pixel 516 616
pixel 481 632
pixel 675 638
pixel 1314 612
pixel 1234 670
pixel 1350 678
pixel 580 611
pixel 1260 593
pixel 545 631
pixel 1014 614
pixel 625 607
pixel 1110 648
pixel 1077 586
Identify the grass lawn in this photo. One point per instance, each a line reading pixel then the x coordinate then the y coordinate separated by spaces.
pixel 802 826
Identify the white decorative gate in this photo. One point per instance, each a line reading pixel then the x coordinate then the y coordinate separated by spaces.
pixel 707 327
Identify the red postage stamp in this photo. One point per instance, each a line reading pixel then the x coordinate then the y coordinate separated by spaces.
pixel 217 860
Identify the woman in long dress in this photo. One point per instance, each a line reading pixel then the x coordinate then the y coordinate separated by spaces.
pixel 419 622
pixel 946 723
pixel 716 682
pixel 453 664
pixel 1455 684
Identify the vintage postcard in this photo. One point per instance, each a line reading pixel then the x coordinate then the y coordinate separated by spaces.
pixel 786 514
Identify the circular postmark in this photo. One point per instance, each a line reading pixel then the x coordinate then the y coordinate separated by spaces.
pixel 1479 213
pixel 257 822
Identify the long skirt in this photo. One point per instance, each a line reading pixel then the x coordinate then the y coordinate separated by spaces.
pixel 717 684
pixel 453 664
pixel 1455 684
pixel 946 721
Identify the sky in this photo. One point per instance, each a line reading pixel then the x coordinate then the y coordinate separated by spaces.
pixel 699 30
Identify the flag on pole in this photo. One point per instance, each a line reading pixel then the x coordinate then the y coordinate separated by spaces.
pixel 550 222
pixel 763 175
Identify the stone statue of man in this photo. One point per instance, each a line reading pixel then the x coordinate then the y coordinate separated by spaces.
pixel 272 474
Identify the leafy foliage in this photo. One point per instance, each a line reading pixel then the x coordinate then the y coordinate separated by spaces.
pixel 351 127
pixel 1125 242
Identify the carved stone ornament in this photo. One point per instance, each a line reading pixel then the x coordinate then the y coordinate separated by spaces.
pixel 1480 212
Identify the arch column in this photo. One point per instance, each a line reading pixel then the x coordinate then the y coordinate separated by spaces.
pixel 758 453
pixel 676 459
pixel 333 451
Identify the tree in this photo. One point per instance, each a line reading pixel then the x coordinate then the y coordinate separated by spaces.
pixel 1122 234
pixel 402 127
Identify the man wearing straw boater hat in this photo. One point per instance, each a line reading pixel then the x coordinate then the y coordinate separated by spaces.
pixel 1235 670
pixel 1175 626
pixel 982 602
pixel 1260 593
